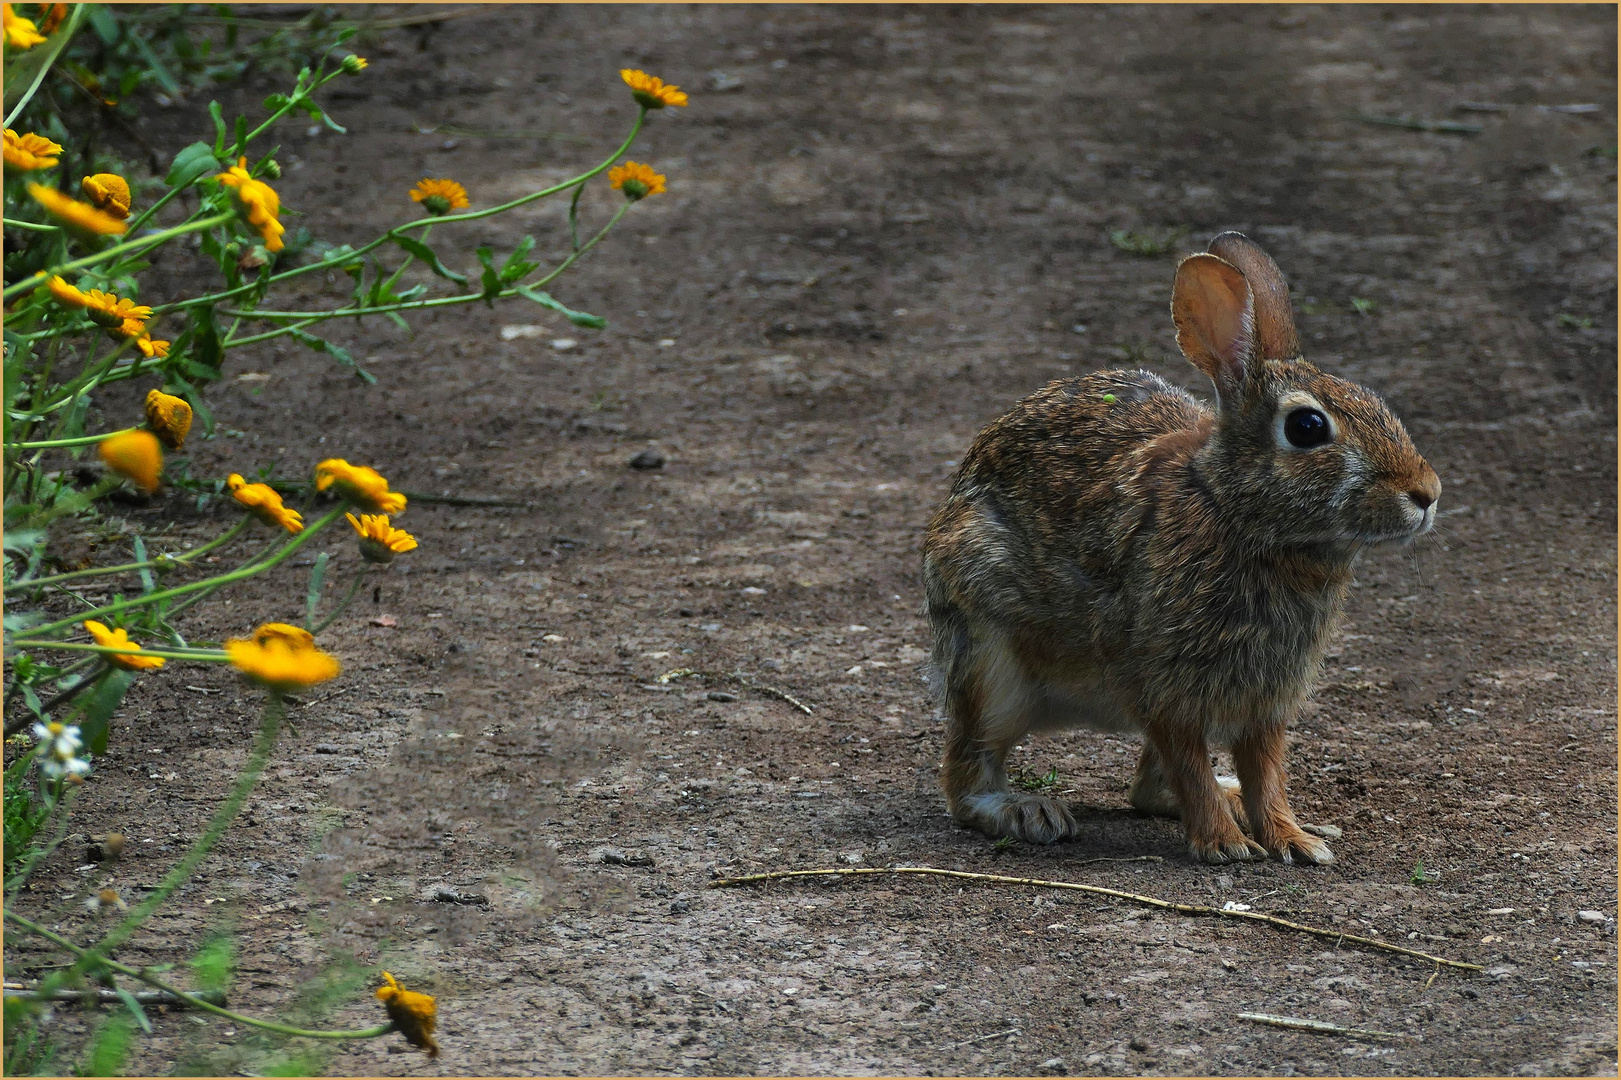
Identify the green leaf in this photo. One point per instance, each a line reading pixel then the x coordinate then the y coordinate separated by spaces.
pixel 426 254
pixel 312 599
pixel 516 269
pixel 138 1013
pixel 147 585
pixel 99 704
pixel 159 70
pixel 277 101
pixel 215 963
pixel 337 352
pixel 491 279
pixel 218 114
pixel 206 349
pixel 578 318
pixel 107 1051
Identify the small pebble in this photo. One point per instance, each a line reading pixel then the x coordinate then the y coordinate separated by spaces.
pixel 1141 1044
pixel 563 343
pixel 721 695
pixel 647 459
pixel 1593 917
pixel 1052 1065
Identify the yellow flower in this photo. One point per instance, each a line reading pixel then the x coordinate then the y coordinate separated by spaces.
pixel 107 310
pixel 359 485
pixel 79 215
pixel 650 91
pixel 136 456
pixel 108 191
pixel 637 181
pixel 21 33
pixel 282 658
pixel 413 1014
pixel 354 65
pixel 151 347
pixel 30 151
pixel 264 503
pixel 169 417
pixel 378 542
pixel 258 202
pixel 54 14
pixel 440 196
pixel 119 639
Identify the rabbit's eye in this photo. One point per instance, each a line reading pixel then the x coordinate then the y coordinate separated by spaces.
pixel 1306 428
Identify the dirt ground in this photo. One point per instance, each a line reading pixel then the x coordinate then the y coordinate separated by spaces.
pixel 883 227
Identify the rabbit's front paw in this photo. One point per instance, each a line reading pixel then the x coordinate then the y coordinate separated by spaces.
pixel 1035 819
pixel 1226 846
pixel 1289 844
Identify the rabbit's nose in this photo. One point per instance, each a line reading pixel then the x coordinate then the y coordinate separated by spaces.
pixel 1425 491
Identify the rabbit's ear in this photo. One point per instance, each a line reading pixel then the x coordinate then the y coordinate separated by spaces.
pixel 1275 336
pixel 1214 313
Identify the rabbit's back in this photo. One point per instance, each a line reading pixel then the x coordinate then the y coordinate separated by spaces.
pixel 1052 497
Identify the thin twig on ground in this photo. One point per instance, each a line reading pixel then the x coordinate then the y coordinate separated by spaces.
pixel 1098 890
pixel 112 997
pixel 737 680
pixel 1321 1027
pixel 980 1039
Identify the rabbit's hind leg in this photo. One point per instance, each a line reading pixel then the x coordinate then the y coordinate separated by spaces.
pixel 990 705
pixel 1151 793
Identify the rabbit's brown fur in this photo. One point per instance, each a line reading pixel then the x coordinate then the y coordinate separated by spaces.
pixel 1117 555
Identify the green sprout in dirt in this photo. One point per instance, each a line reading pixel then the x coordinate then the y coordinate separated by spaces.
pixel 1363 306
pixel 1030 781
pixel 74 327
pixel 1147 242
pixel 1421 876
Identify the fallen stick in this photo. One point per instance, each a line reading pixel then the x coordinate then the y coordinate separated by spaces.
pixel 1098 890
pixel 112 997
pixel 980 1039
pixel 1444 127
pixel 1320 1027
pixel 737 680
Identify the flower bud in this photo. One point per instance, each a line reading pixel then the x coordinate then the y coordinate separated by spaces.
pixel 354 65
pixel 270 167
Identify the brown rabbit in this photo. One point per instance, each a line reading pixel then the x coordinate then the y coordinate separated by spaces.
pixel 1116 555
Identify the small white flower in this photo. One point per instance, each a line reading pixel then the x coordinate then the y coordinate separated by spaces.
pixel 61 743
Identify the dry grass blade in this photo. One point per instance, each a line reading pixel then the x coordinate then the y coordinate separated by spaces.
pixel 736 680
pixel 1295 1023
pixel 1099 890
pixel 1444 127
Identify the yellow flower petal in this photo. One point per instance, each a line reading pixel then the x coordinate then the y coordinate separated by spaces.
pixel 360 485
pixel 413 1014
pixel 257 202
pixel 136 456
pixel 282 658
pixel 21 33
pixel 378 542
pixel 169 417
pixel 107 191
pixel 440 196
pixel 264 503
pixel 76 214
pixel 636 180
pixel 650 91
pixel 29 152
pixel 119 639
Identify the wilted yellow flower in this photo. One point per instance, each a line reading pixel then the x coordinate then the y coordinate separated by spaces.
pixel 440 196
pixel 169 417
pixel 21 33
pixel 106 898
pixel 119 639
pixel 360 485
pixel 260 205
pixel 136 456
pixel 77 214
pixel 30 151
pixel 265 504
pixel 650 91
pixel 105 308
pixel 54 14
pixel 282 658
pixel 636 180
pixel 378 542
pixel 108 192
pixel 414 1014
pixel 354 65
pixel 151 347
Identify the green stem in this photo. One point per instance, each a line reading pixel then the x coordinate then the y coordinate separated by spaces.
pixel 79 646
pixel 62 36
pixel 589 244
pixel 191 999
pixel 33 633
pixel 83 440
pixel 350 256
pixel 13 223
pixel 183 559
pixel 31 283
pixel 258 756
pixel 354 587
pixel 389 284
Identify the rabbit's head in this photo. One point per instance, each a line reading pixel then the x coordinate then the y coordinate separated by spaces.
pixel 1297 457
